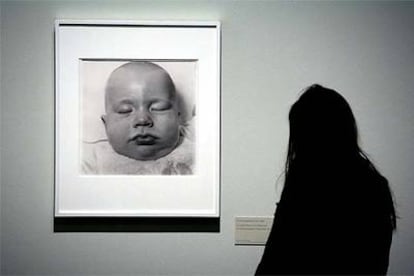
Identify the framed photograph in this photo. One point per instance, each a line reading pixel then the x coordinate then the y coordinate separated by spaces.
pixel 137 119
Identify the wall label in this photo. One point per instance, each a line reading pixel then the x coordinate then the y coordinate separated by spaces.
pixel 252 230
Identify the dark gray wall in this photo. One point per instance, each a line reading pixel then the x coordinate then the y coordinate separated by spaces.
pixel 271 50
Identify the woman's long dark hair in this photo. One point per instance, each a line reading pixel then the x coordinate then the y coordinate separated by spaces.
pixel 323 127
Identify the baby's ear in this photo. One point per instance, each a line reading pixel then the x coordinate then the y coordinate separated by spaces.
pixel 103 118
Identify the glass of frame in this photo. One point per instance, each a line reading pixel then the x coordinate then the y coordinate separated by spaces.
pixel 137 119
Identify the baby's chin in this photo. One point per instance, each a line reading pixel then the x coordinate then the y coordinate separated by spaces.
pixel 145 152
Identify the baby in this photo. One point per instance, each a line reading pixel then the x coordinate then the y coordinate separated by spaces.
pixel 143 125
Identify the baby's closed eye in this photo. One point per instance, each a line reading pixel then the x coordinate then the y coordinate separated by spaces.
pixel 124 109
pixel 160 106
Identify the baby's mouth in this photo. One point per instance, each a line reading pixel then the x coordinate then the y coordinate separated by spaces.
pixel 144 139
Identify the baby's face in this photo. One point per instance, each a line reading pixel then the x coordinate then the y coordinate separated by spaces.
pixel 141 120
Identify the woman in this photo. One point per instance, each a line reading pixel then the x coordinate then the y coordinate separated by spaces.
pixel 336 214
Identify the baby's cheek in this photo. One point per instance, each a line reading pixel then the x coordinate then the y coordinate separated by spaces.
pixel 117 129
pixel 119 122
pixel 164 119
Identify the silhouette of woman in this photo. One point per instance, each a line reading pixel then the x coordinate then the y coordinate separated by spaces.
pixel 336 213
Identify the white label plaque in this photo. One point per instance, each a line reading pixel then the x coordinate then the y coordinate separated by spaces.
pixel 252 230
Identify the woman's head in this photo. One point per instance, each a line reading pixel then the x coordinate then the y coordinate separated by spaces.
pixel 323 143
pixel 321 123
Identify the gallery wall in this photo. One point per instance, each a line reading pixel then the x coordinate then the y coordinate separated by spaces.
pixel 271 50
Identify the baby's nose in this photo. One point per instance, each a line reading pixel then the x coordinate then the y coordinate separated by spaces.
pixel 142 118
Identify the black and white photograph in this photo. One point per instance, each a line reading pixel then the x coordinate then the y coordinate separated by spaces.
pixel 137 125
pixel 138 117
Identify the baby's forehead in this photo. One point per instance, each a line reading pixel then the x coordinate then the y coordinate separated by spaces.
pixel 144 76
pixel 139 72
